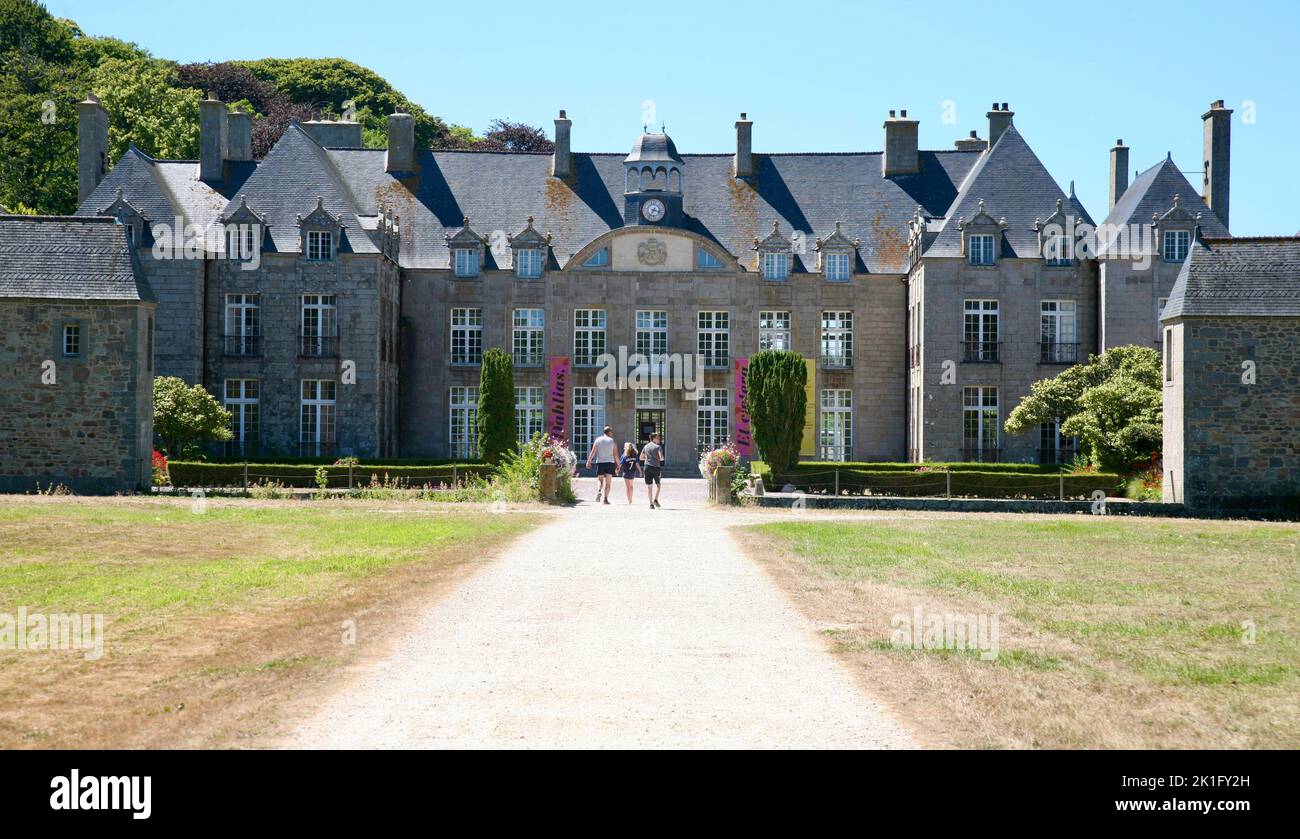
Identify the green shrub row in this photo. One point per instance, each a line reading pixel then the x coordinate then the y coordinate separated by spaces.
pixel 961 466
pixel 330 459
pixel 967 484
pixel 197 474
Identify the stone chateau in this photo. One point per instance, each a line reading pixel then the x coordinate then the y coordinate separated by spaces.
pixel 338 298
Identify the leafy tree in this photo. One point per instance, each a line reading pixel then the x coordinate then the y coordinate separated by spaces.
pixel 496 406
pixel 504 135
pixel 185 417
pixel 1112 404
pixel 777 402
pixel 146 107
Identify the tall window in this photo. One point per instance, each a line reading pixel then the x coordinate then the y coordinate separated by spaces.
pixel 837 340
pixel 776 265
pixel 981 330
pixel 240 241
pixel 529 411
pixel 528 263
pixel 316 434
pixel 527 341
pixel 588 336
pixel 242 328
pixel 836 266
pixel 463 419
pixel 320 245
pixel 981 249
pixel 714 339
pixel 836 435
pixel 1176 243
pixel 1057 332
pixel 588 418
pixel 652 335
pixel 1168 359
pixel 319 325
pixel 242 402
pixel 72 339
pixel 1052 447
pixel 711 412
pixel 466 336
pixel 774 330
pixel 465 262
pixel 980 424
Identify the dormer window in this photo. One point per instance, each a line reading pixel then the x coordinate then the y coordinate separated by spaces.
pixel 599 259
pixel 776 266
pixel 241 242
pixel 127 216
pixel 243 229
pixel 320 245
pixel 836 266
pixel 981 249
pixel 980 236
pixel 528 263
pixel 466 262
pixel 1053 243
pixel 1175 245
pixel 1056 251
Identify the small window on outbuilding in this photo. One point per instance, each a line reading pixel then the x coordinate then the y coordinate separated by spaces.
pixel 72 339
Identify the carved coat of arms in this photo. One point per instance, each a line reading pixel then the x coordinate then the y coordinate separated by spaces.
pixel 652 252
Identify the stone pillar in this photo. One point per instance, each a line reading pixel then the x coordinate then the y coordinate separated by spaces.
pixel 92 146
pixel 549 482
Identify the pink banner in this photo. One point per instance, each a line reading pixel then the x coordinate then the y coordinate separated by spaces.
pixel 744 442
pixel 557 398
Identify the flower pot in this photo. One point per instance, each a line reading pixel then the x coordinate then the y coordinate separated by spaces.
pixel 720 484
pixel 549 481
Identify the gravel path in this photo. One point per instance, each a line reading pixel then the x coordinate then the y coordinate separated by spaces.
pixel 611 626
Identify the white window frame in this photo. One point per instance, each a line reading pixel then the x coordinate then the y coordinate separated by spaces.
pixel 712 418
pixel 651 398
pixel 528 337
pixel 652 334
pixel 588 418
pixel 242 398
pixel 528 263
pixel 589 338
pixel 462 421
pixel 706 261
pixel 835 425
pixel 1050 431
pixel 776 265
pixel 318 420
pixel 1057 329
pixel 1174 245
pixel 530 412
pixel 713 338
pixel 980 247
pixel 837 337
pixel 72 340
pixel 982 325
pixel 465 262
pixel 980 410
pixel 1056 251
pixel 599 259
pixel 320 245
pixel 466 336
pixel 836 267
pixel 774 331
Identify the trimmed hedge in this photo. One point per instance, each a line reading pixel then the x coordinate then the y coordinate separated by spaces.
pixel 200 474
pixel 959 466
pixel 329 460
pixel 965 483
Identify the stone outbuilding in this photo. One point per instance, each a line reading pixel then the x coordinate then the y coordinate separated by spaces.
pixel 76 357
pixel 1232 376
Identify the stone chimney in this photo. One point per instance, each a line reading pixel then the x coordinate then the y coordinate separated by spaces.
pixel 92 146
pixel 901 156
pixel 562 158
pixel 214 140
pixel 401 143
pixel 239 135
pixel 334 134
pixel 999 120
pixel 1118 172
pixel 744 147
pixel 1217 149
pixel 971 143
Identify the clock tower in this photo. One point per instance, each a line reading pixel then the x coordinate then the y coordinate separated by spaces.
pixel 652 183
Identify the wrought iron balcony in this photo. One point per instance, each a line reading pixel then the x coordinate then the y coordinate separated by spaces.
pixel 242 345
pixel 319 346
pixel 982 352
pixel 841 360
pixel 1052 352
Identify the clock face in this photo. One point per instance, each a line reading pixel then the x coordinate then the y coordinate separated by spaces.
pixel 653 210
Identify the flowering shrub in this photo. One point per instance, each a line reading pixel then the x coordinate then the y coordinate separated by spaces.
pixel 726 455
pixel 160 477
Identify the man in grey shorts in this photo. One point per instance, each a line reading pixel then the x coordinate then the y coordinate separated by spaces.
pixel 652 456
pixel 605 452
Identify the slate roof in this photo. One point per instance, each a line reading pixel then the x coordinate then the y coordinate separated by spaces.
pixel 803 193
pixel 1245 277
pixel 653 148
pixel 68 258
pixel 1014 184
pixel 1153 191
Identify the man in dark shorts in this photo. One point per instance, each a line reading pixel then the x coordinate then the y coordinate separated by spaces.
pixel 652 455
pixel 605 452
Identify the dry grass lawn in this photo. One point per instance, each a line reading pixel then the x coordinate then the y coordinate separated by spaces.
pixel 1114 633
pixel 221 627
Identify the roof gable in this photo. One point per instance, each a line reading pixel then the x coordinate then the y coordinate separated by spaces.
pixel 1246 277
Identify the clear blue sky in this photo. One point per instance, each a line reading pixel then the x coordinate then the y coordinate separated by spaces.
pixel 814 77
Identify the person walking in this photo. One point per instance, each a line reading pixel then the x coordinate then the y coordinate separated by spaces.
pixel 605 452
pixel 631 467
pixel 652 458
